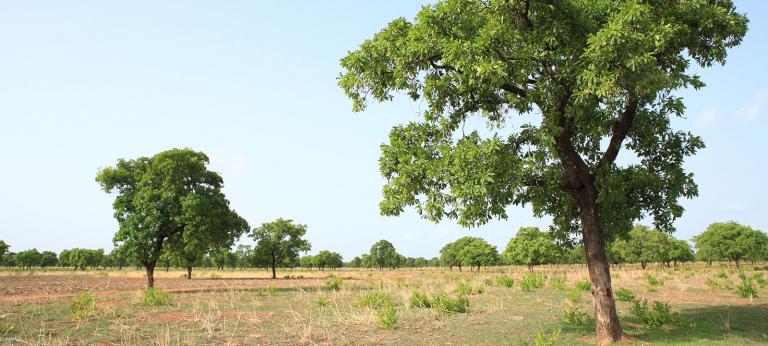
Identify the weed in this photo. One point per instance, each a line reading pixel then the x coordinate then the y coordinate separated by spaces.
pixel 271 290
pixel 721 274
pixel 334 283
pixel 558 282
pixel 624 295
pixel 532 281
pixel 155 297
pixel 374 300
pixel 505 281
pixel 387 316
pixel 82 306
pixel 575 316
pixel 419 300
pixel 574 296
pixel 465 288
pixel 450 306
pixel 746 288
pixel 488 282
pixel 583 285
pixel 547 339
pixel 657 316
pixel 653 280
pixel 322 301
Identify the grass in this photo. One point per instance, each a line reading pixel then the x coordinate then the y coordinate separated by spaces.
pixel 394 307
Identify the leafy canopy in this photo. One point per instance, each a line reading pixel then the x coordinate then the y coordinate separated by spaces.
pixel 531 246
pixel 587 77
pixel 280 241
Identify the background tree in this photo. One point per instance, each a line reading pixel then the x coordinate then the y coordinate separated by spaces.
pixel 680 251
pixel 641 245
pixel 530 246
pixel 48 259
pixel 475 252
pixel 328 259
pixel 28 258
pixel 449 256
pixel 153 198
pixel 592 77
pixel 278 241
pixel 730 241
pixel 4 249
pixel 384 255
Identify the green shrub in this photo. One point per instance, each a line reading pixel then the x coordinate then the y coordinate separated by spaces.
pixel 745 288
pixel 450 306
pixel 713 284
pixel 322 301
pixel 82 306
pixel 334 283
pixel 653 280
pixel 374 300
pixel 575 316
pixel 387 316
pixel 271 290
pixel 547 339
pixel 624 295
pixel 419 300
pixel 505 281
pixel 574 296
pixel 532 281
pixel 758 277
pixel 488 282
pixel 721 274
pixel 155 297
pixel 558 282
pixel 583 285
pixel 464 288
pixel 660 314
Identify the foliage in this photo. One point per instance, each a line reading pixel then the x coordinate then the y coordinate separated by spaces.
pixel 374 300
pixel 82 306
pixel 334 284
pixel 547 339
pixel 279 241
pixel 450 306
pixel 624 295
pixel 574 296
pixel 469 251
pixel 387 316
pixel 530 246
pixel 583 285
pixel 660 314
pixel 532 281
pixel 419 300
pixel 557 282
pixel 653 280
pixel 155 297
pixel 464 288
pixel 575 316
pixel 746 287
pixel 384 255
pixel 731 241
pixel 505 281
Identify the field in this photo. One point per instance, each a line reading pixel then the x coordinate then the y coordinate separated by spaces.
pixel 343 307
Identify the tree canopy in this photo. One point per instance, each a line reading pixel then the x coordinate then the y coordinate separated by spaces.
pixel 160 202
pixel 383 255
pixel 588 78
pixel 531 246
pixel 731 241
pixel 279 241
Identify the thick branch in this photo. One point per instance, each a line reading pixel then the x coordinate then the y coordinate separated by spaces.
pixel 620 130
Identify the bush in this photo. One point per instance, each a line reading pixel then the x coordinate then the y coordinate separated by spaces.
pixel 374 300
pixel 758 277
pixel 488 282
pixel 657 316
pixel 82 306
pixel 532 281
pixel 387 316
pixel 322 301
pixel 653 280
pixel 558 282
pixel 505 281
pixel 334 284
pixel 624 295
pixel 465 288
pixel 271 290
pixel 450 306
pixel 721 274
pixel 574 296
pixel 419 300
pixel 545 339
pixel 583 285
pixel 155 297
pixel 575 316
pixel 745 288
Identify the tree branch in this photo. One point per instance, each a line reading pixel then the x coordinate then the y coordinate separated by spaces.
pixel 620 130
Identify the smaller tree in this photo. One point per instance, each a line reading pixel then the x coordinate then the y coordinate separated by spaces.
pixel 383 254
pixel 28 258
pixel 48 259
pixel 328 259
pixel 449 256
pixel 730 241
pixel 279 241
pixel 680 251
pixel 530 246
pixel 3 252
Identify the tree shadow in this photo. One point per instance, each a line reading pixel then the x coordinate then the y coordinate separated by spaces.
pixel 714 323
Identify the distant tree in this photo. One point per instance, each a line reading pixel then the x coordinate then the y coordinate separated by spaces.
pixel 28 258
pixel 327 259
pixel 384 255
pixel 3 252
pixel 48 259
pixel 244 256
pixel 642 245
pixel 278 241
pixel 157 200
pixel 449 256
pixel 367 261
pixel 476 252
pixel 355 262
pixel 10 259
pixel 730 241
pixel 680 251
pixel 530 246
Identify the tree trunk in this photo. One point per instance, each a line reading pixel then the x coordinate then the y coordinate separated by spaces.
pixel 642 264
pixel 150 275
pixel 274 264
pixel 737 263
pixel 607 325
pixel 189 272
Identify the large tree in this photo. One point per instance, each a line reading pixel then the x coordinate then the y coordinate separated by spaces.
pixel 4 247
pixel 280 241
pixel 531 246
pixel 588 77
pixel 157 201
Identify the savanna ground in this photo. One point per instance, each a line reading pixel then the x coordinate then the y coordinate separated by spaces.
pixel 245 307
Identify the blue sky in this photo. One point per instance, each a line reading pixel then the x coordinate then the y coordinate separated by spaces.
pixel 253 85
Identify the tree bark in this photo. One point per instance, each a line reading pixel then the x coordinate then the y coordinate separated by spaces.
pixel 150 275
pixel 607 325
pixel 274 264
pixel 189 272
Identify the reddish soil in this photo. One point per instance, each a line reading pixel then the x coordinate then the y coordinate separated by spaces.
pixel 25 288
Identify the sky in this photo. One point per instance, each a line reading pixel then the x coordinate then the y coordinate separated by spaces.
pixel 253 85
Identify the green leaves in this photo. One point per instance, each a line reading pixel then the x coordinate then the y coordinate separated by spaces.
pixel 470 252
pixel 280 241
pixel 531 246
pixel 731 241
